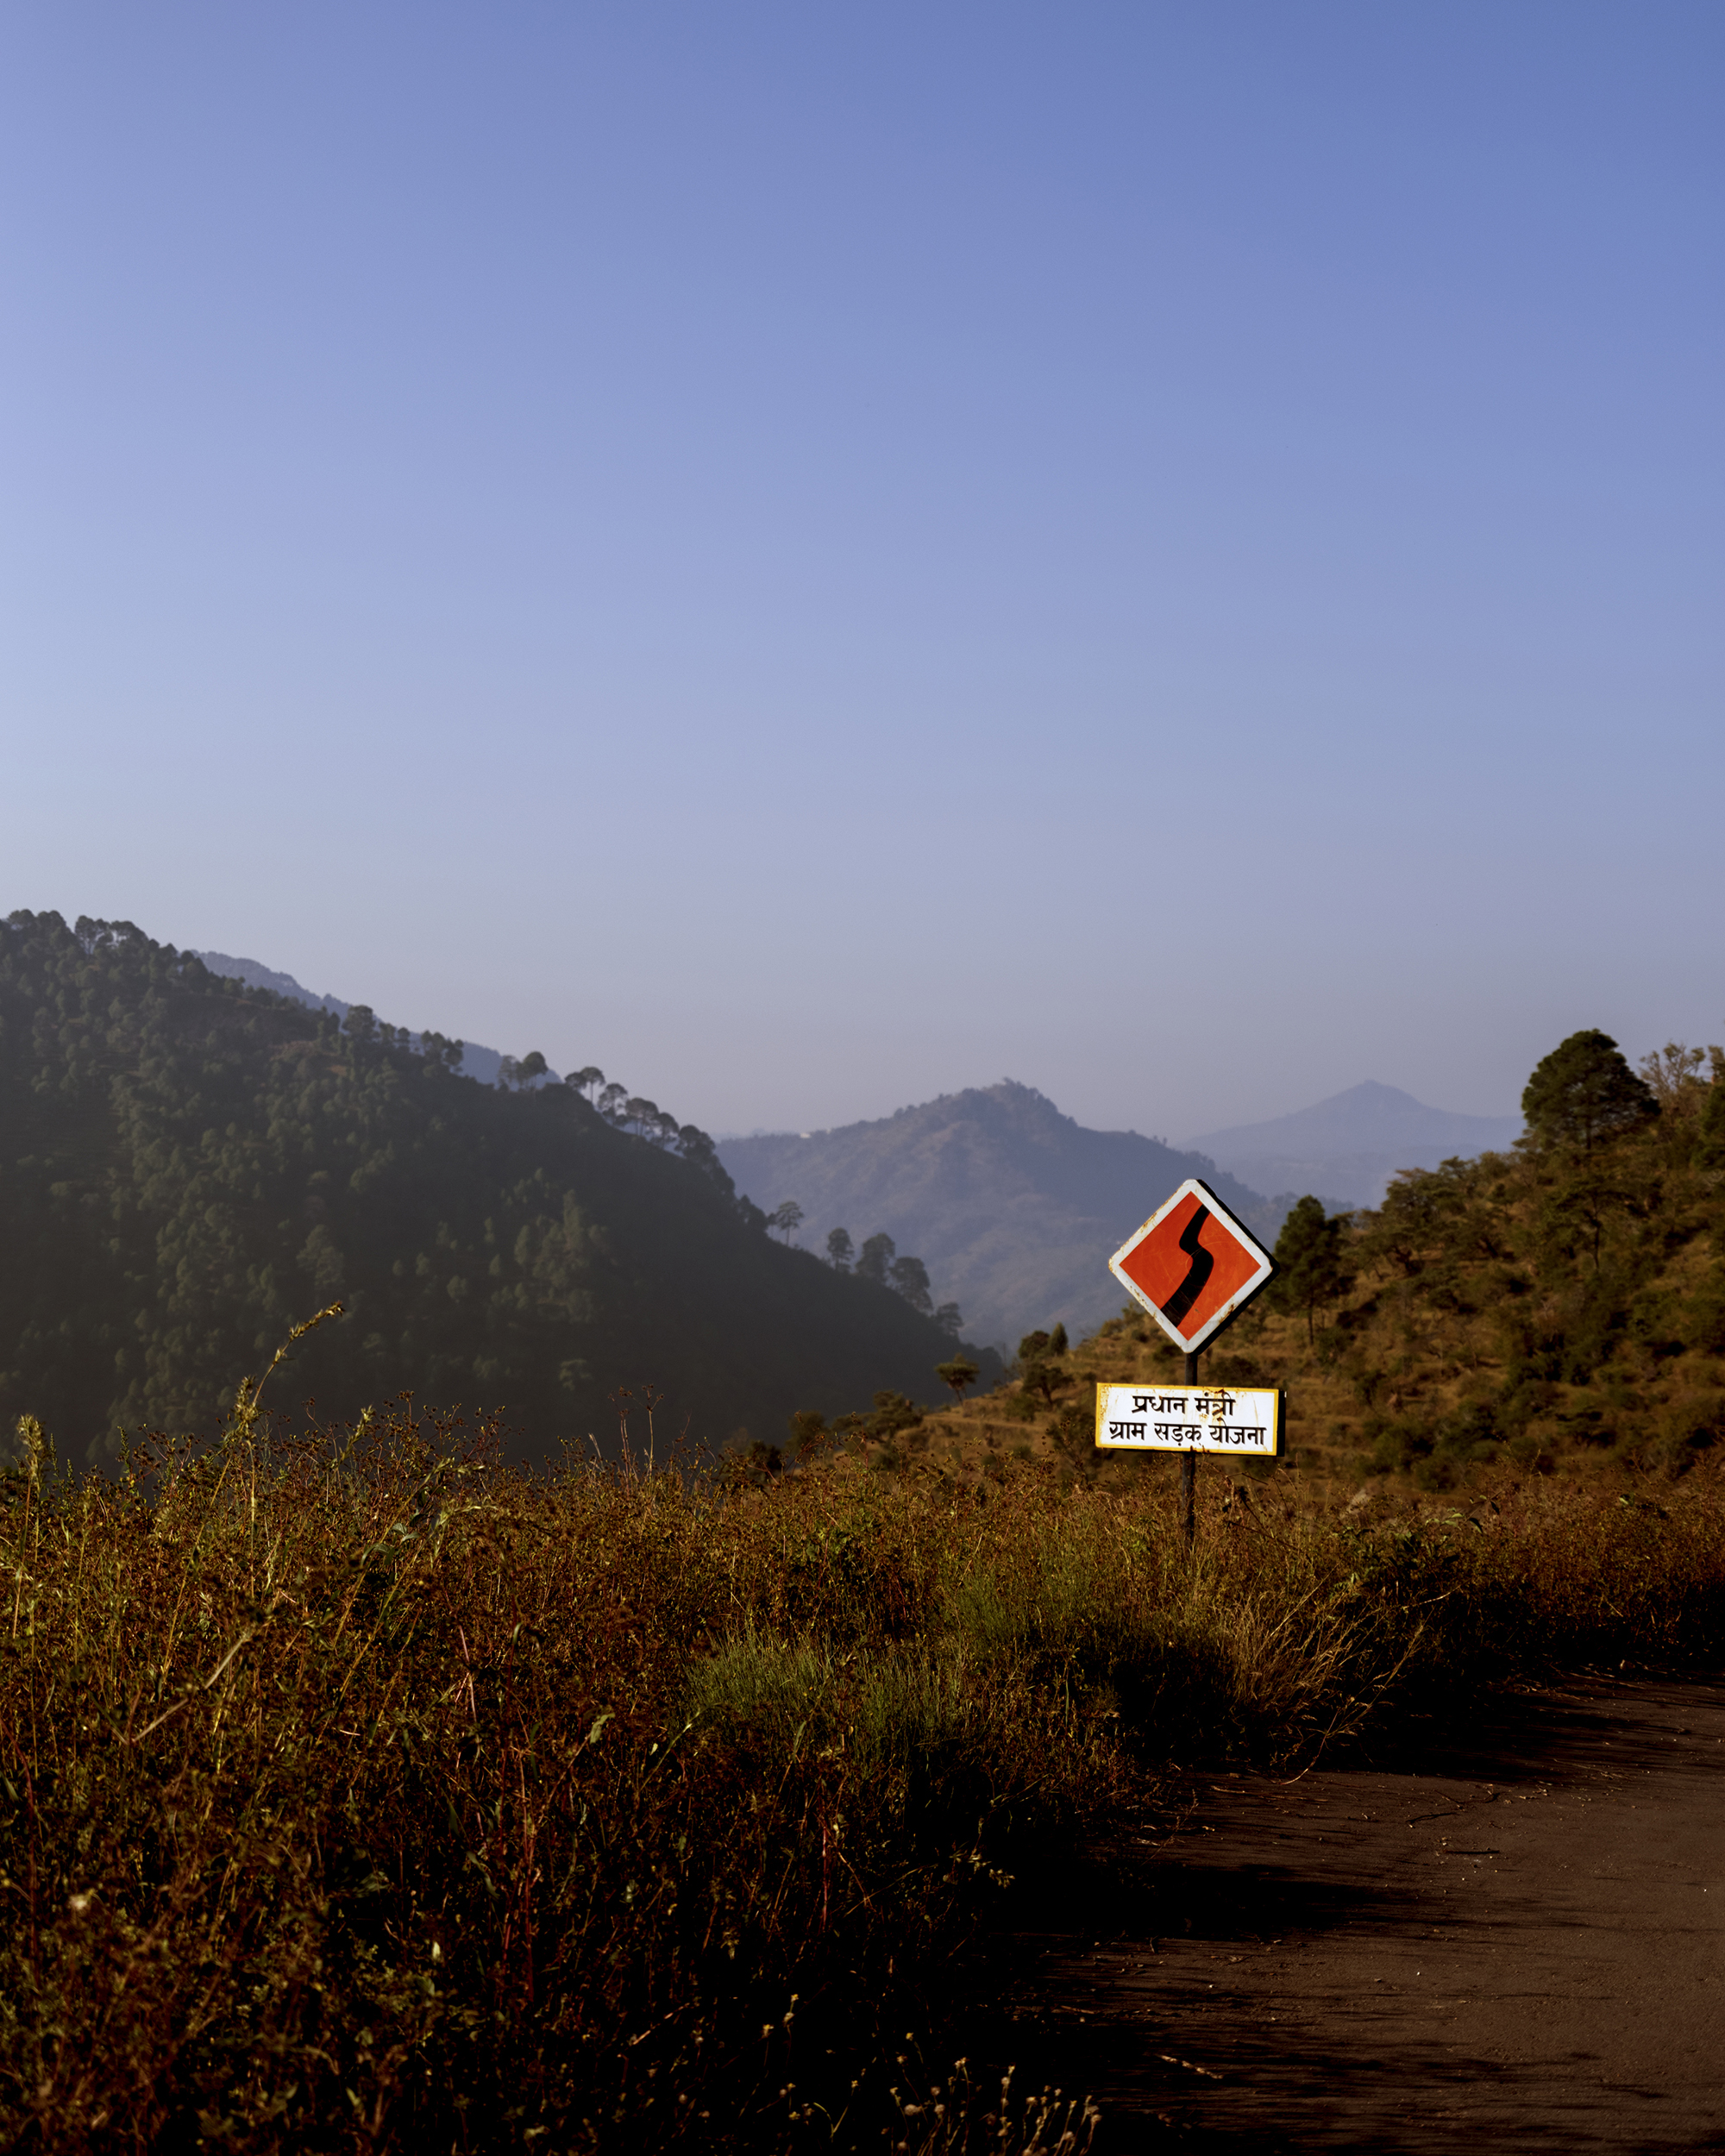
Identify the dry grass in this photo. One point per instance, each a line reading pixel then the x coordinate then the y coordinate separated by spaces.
pixel 359 1792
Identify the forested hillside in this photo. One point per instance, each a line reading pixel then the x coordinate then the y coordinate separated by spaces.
pixel 189 1165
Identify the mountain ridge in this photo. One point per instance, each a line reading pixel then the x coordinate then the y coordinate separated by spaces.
pixel 477 1060
pixel 1013 1206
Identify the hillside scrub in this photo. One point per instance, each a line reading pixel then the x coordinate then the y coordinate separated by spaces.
pixel 362 1792
pixel 1556 1309
pixel 1564 1303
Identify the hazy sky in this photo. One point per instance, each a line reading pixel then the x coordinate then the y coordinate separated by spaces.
pixel 816 554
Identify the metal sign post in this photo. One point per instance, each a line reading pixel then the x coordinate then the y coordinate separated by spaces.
pixel 1193 1267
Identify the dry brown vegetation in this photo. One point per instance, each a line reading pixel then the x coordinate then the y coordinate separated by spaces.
pixel 359 1792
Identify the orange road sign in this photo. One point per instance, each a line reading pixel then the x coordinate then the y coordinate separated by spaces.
pixel 1192 1265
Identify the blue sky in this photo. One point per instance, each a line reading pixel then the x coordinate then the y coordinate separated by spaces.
pixel 816 555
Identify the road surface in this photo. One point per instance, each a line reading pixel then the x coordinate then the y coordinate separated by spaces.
pixel 1520 1946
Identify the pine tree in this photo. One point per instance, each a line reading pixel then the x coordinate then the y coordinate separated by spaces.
pixel 878 1253
pixel 1036 1373
pixel 958 1373
pixel 910 1276
pixel 1583 1095
pixel 1312 1261
pixel 785 1220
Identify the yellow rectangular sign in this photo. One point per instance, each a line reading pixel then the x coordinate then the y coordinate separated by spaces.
pixel 1245 1422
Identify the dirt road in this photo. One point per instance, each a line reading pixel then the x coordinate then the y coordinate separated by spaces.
pixel 1521 1946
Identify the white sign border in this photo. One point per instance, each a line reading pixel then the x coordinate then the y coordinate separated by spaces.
pixel 1266 1266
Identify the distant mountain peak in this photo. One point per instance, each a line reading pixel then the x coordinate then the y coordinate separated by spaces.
pixel 1348 1146
pixel 1363 1114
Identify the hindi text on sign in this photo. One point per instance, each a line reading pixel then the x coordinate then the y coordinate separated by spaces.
pixel 1233 1419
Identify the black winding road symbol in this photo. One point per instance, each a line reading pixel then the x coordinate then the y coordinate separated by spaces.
pixel 1203 1264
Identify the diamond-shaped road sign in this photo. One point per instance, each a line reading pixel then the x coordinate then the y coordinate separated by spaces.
pixel 1192 1265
